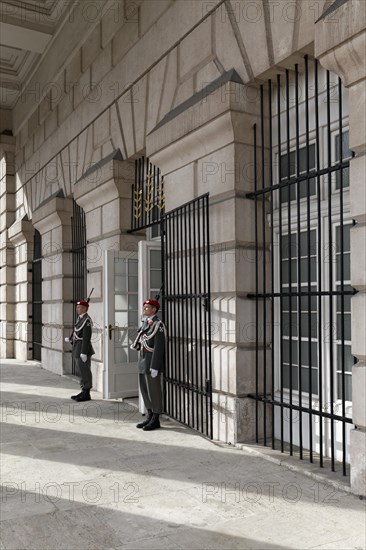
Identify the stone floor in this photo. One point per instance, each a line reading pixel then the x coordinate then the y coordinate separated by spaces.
pixel 81 476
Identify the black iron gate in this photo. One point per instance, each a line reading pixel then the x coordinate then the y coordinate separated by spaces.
pixel 78 251
pixel 186 304
pixel 303 293
pixel 37 297
pixel 186 284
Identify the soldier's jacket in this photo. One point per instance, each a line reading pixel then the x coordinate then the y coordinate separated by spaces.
pixel 81 337
pixel 152 346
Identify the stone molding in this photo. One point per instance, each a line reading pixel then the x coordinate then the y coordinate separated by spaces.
pixel 21 231
pixel 214 122
pixel 57 211
pixel 337 28
pixel 105 184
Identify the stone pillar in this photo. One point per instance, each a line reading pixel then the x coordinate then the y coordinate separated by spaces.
pixel 21 235
pixel 53 220
pixel 7 218
pixel 206 145
pixel 104 193
pixel 340 44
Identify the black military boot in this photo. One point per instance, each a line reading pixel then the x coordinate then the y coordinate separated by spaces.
pixel 145 422
pixel 85 396
pixel 154 423
pixel 78 395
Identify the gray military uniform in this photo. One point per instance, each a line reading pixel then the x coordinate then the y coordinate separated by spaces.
pixel 151 356
pixel 81 343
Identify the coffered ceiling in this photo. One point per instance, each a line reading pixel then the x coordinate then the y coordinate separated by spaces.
pixel 26 29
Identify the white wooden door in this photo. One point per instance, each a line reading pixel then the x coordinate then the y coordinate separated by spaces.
pixel 120 324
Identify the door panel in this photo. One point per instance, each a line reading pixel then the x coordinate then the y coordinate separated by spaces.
pixel 121 320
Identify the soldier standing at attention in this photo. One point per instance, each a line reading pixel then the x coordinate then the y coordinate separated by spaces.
pixel 82 350
pixel 150 342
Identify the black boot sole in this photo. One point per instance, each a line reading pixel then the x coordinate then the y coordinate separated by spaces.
pixel 148 428
pixel 81 399
pixel 75 397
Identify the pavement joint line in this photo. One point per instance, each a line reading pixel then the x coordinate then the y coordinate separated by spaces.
pixel 299 468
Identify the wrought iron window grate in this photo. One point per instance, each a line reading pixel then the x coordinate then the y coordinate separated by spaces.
pixel 302 247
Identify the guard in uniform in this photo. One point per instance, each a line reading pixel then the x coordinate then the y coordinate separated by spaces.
pixel 82 350
pixel 150 342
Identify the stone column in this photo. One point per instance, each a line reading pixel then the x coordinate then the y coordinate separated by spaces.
pixel 53 220
pixel 104 193
pixel 206 145
pixel 340 45
pixel 7 217
pixel 21 235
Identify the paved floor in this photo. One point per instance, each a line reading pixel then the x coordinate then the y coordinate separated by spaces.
pixel 81 476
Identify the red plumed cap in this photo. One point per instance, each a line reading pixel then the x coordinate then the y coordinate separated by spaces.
pixel 153 303
pixel 83 303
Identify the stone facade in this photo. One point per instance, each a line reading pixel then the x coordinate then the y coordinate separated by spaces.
pixel 176 80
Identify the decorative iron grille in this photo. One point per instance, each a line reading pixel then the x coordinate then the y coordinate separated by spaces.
pixel 37 297
pixel 303 292
pixel 148 201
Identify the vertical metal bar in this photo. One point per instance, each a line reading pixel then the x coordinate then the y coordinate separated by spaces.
pixel 298 253
pixel 144 188
pixel 163 263
pixel 256 286
pixel 196 343
pixel 200 301
pixel 155 200
pixel 178 301
pixel 280 247
pixel 290 248
pixel 340 114
pixel 171 335
pixel 308 252
pixel 167 292
pixel 134 190
pixel 206 327
pixel 264 274
pixel 172 321
pixel 178 361
pixel 191 334
pixel 183 325
pixel 331 342
pixel 272 256
pixel 319 266
pixel 186 314
pixel 208 311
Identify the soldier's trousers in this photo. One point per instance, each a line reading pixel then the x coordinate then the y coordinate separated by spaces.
pixel 84 370
pixel 151 392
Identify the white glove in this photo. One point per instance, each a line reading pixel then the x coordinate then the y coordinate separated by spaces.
pixel 67 340
pixel 154 373
pixel 83 357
